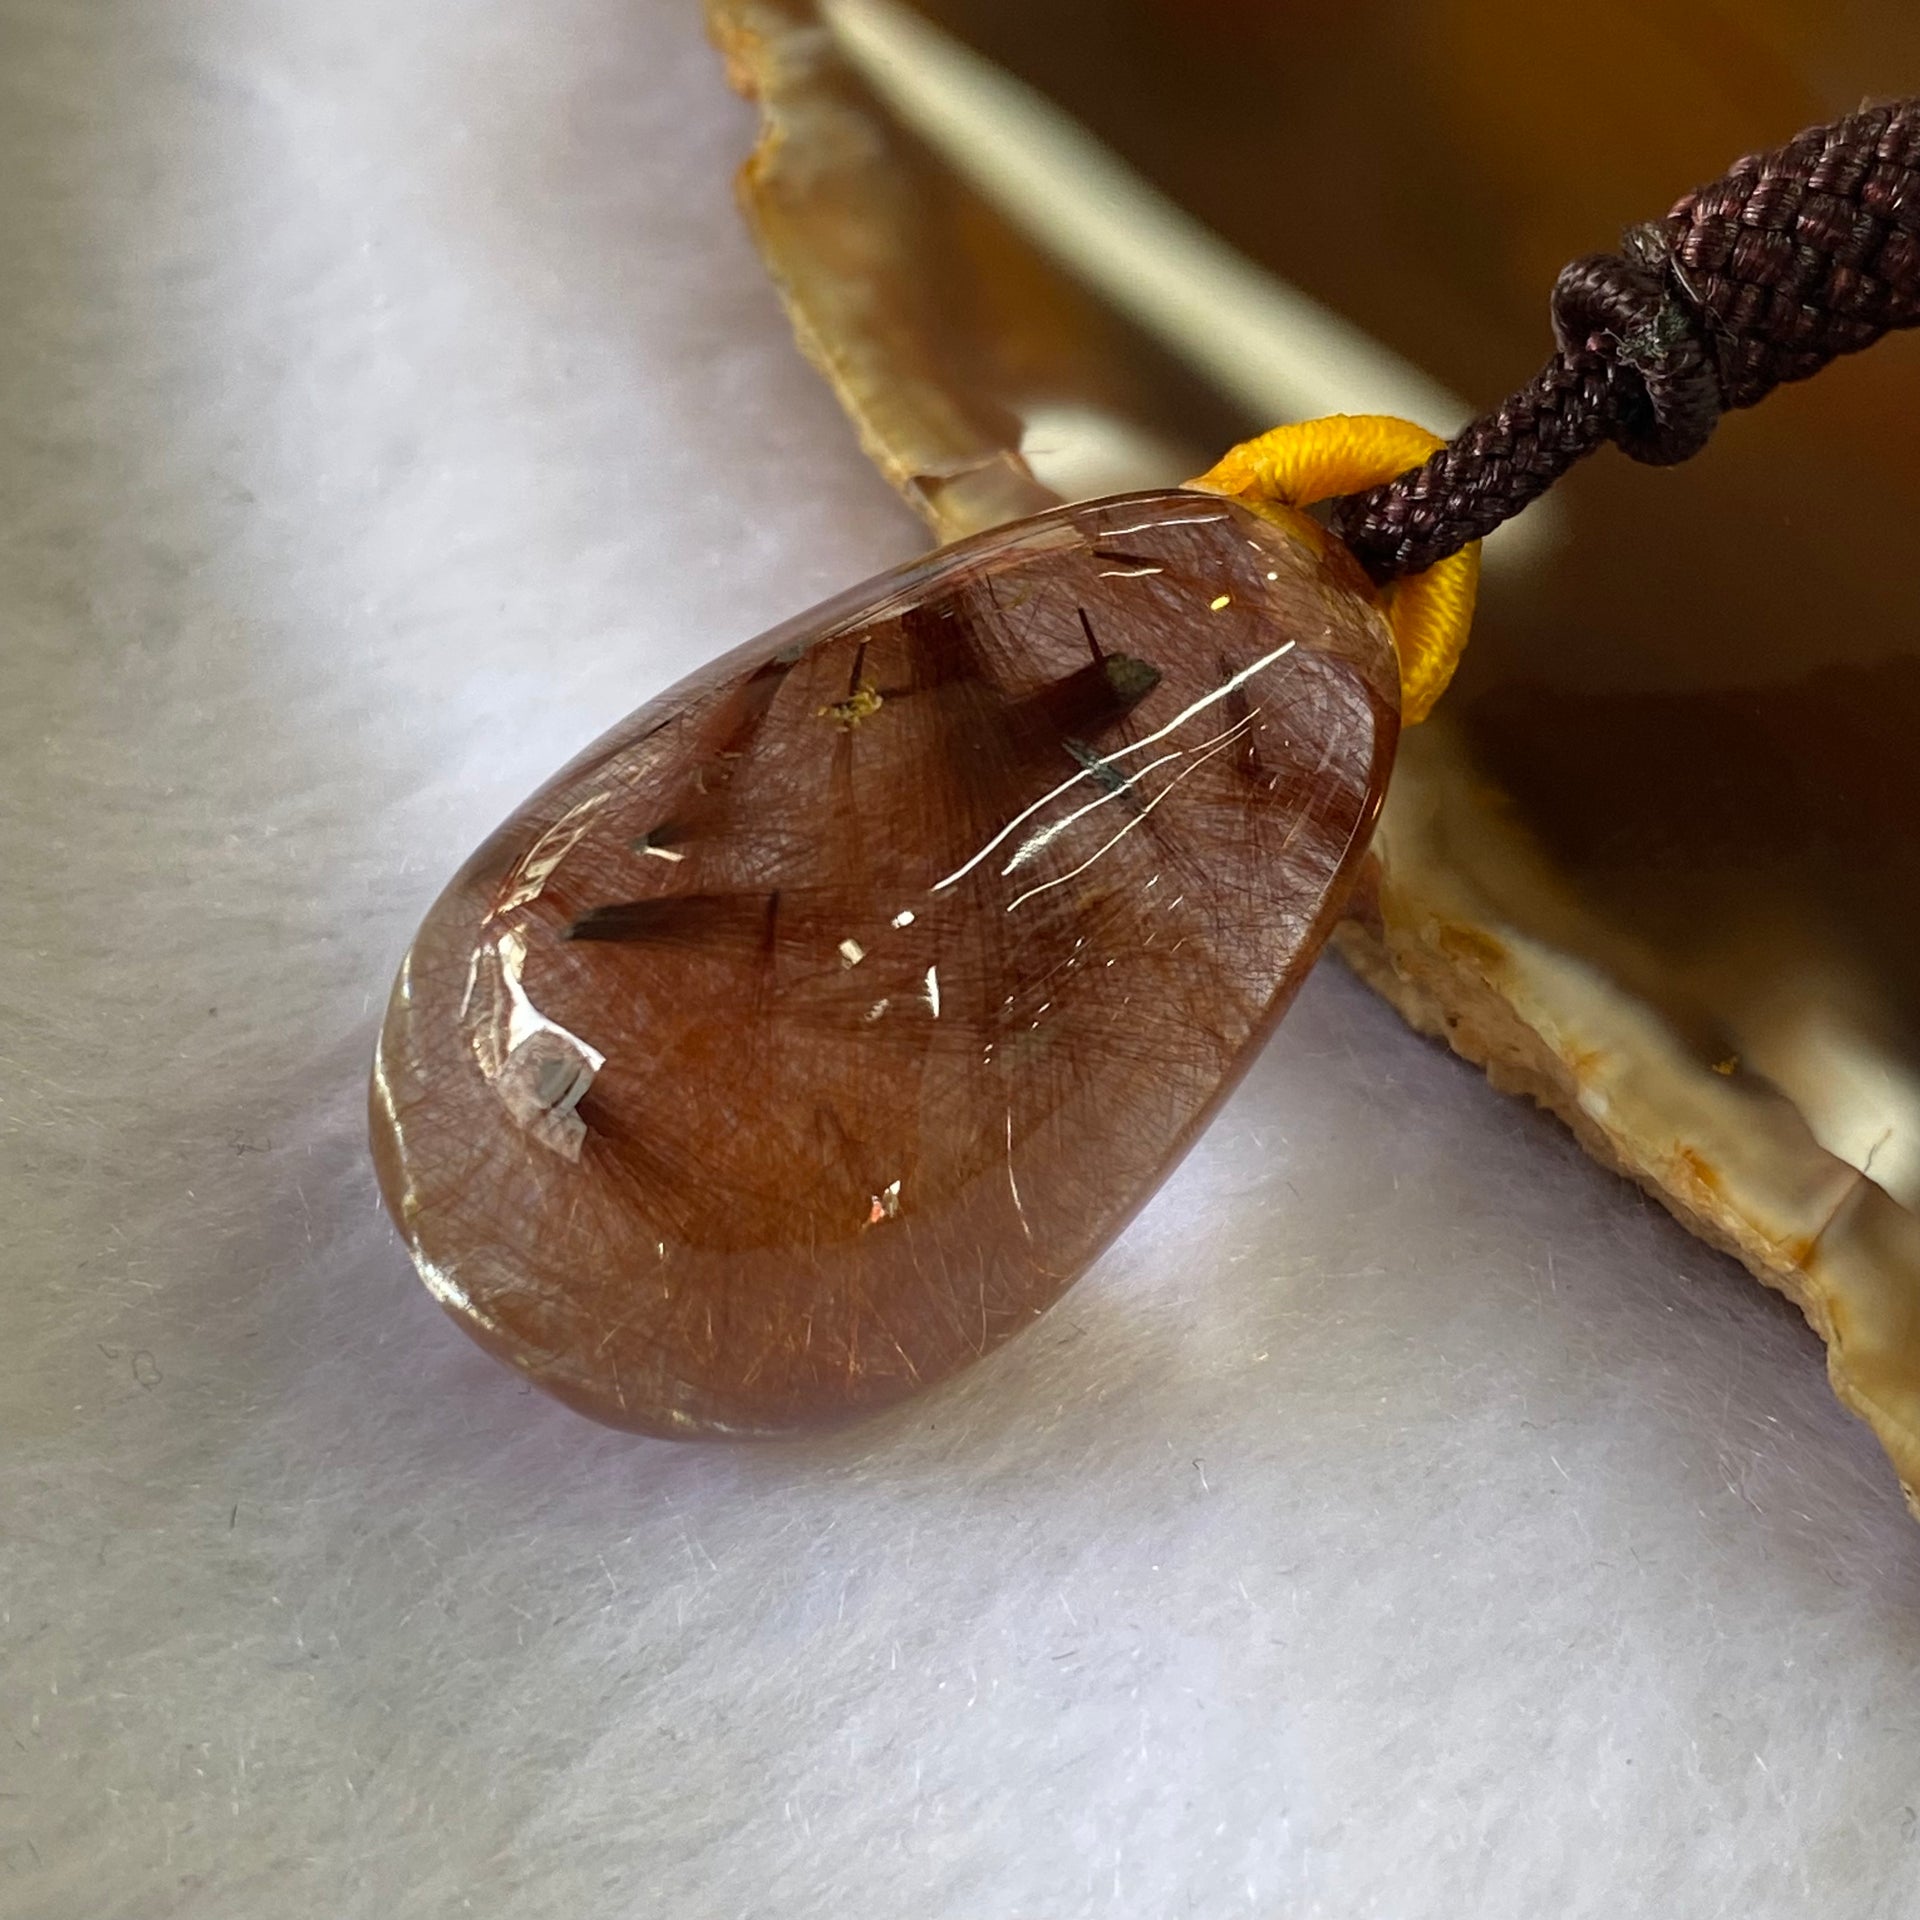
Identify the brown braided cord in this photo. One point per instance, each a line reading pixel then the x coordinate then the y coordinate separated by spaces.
pixel 1794 258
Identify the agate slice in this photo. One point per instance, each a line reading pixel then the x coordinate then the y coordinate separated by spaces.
pixel 810 1034
pixel 1654 864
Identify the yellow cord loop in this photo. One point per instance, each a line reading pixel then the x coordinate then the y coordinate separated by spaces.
pixel 1428 613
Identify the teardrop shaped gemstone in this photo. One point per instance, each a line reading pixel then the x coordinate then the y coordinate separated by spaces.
pixel 812 1032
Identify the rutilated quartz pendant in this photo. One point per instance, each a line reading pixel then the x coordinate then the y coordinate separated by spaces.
pixel 811 1033
pixel 1656 863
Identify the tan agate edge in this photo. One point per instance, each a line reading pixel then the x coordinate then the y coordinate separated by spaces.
pixel 1544 1024
pixel 1738 1169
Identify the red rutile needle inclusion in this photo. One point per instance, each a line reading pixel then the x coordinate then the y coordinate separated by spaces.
pixel 811 1033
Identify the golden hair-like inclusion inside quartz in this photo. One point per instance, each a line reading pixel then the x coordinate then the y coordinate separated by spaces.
pixel 809 1035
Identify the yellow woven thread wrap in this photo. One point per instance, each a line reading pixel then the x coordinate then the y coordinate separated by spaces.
pixel 1429 614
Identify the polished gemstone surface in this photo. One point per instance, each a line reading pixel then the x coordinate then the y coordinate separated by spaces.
pixel 810 1034
pixel 1653 861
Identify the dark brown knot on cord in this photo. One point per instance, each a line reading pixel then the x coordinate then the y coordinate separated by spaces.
pixel 1794 258
pixel 1630 313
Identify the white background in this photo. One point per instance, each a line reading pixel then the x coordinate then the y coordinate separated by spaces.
pixel 1406 1519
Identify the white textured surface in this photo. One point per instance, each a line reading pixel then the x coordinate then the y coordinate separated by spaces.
pixel 1405 1519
